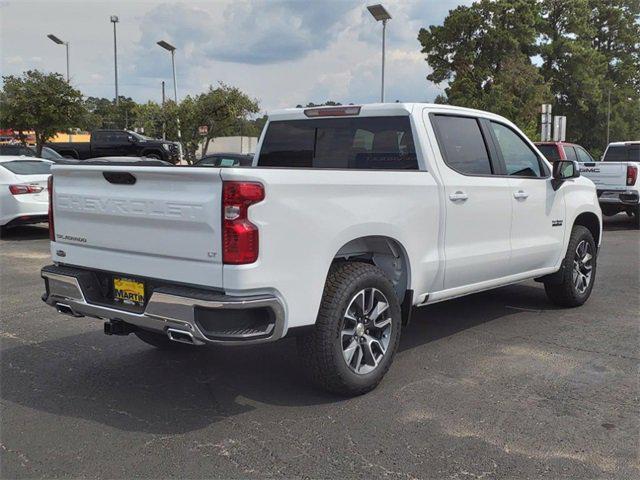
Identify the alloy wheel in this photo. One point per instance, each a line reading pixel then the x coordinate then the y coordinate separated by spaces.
pixel 366 330
pixel 582 267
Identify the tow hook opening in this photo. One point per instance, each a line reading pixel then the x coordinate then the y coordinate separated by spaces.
pixel 180 336
pixel 118 327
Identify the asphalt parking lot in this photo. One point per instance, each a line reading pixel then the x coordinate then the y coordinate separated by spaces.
pixel 496 385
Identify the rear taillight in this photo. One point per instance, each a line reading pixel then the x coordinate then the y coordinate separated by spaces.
pixel 632 175
pixel 50 189
pixel 22 188
pixel 239 235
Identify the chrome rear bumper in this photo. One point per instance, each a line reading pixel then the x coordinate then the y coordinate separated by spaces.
pixel 168 311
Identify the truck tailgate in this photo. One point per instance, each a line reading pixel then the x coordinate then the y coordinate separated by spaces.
pixel 606 175
pixel 157 222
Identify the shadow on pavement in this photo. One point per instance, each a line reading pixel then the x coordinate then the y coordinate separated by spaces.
pixel 126 384
pixel 27 232
pixel 618 222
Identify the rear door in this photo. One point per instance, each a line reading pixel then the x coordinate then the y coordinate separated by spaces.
pixel 478 205
pixel 157 222
pixel 538 213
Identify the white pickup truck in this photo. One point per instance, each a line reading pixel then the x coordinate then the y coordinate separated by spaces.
pixel 616 179
pixel 348 218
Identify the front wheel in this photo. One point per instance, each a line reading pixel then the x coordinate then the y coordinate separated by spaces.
pixel 357 330
pixel 580 271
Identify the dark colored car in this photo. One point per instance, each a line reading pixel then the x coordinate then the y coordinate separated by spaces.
pixel 17 149
pixel 225 160
pixel 554 151
pixel 118 143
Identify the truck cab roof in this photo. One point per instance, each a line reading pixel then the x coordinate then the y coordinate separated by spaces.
pixel 371 110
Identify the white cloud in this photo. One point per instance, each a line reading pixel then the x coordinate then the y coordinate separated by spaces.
pixel 282 52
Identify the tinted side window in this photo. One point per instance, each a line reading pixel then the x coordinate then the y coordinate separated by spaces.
pixel 550 152
pixel 463 145
pixel 99 137
pixel 570 153
pixel 519 159
pixel 583 156
pixel 366 143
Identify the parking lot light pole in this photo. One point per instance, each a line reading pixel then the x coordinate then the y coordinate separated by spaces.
pixel 55 39
pixel 381 15
pixel 114 20
pixel 172 49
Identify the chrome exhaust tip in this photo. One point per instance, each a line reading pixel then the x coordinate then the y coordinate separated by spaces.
pixel 66 310
pixel 180 336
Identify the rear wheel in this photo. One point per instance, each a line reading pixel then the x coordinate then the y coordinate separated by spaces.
pixel 636 217
pixel 3 231
pixel 580 271
pixel 159 340
pixel 357 330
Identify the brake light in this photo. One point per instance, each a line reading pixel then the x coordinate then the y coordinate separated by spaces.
pixel 240 244
pixel 332 112
pixel 22 188
pixel 632 175
pixel 50 189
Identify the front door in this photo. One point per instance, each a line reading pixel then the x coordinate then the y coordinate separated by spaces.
pixel 538 211
pixel 478 206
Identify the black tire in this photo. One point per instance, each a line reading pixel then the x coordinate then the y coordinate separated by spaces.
pixel 608 211
pixel 636 217
pixel 3 231
pixel 566 293
pixel 153 155
pixel 160 340
pixel 321 351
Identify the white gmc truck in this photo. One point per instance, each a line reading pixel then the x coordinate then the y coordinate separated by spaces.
pixel 616 179
pixel 348 218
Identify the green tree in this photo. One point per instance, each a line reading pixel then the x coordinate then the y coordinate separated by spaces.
pixel 484 52
pixel 224 110
pixel 44 103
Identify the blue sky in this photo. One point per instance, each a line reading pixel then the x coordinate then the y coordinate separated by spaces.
pixel 280 52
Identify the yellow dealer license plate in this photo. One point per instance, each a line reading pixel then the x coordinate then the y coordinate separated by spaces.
pixel 128 291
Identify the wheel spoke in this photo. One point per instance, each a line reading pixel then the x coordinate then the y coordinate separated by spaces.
pixel 358 362
pixel 350 351
pixel 377 310
pixel 359 301
pixel 382 323
pixel 369 357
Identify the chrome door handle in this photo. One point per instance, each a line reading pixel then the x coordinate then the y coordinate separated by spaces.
pixel 520 195
pixel 459 196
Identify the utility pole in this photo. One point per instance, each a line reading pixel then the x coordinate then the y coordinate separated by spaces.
pixel 381 15
pixel 608 114
pixel 114 20
pixel 164 124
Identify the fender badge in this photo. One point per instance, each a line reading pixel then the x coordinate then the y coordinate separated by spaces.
pixel 556 223
pixel 61 253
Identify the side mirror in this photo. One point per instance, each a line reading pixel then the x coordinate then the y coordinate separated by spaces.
pixel 564 170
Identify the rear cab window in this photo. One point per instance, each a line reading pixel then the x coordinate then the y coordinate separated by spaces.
pixel 360 143
pixel 622 153
pixel 550 152
pixel 27 167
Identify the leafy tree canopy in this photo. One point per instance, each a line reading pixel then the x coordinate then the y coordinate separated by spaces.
pixel 44 103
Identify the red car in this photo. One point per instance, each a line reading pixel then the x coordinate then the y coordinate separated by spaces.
pixel 564 151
